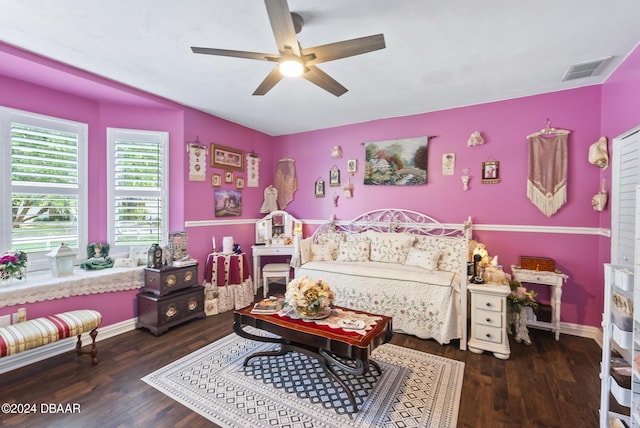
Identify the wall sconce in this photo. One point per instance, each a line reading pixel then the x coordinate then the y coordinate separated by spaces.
pixel 598 154
pixel 599 200
pixel 336 152
pixel 347 191
pixel 465 179
pixel 335 199
pixel 475 139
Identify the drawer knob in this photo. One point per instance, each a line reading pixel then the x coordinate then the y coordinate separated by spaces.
pixel 489 335
pixel 488 320
pixel 488 304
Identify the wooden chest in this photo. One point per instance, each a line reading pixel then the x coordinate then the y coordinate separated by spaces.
pixel 538 263
pixel 168 280
pixel 159 313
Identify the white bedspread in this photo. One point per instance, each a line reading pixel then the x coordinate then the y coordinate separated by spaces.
pixel 422 303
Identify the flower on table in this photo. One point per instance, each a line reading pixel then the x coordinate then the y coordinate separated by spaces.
pixel 520 297
pixel 309 293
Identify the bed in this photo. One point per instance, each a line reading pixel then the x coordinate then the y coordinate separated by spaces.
pixel 395 262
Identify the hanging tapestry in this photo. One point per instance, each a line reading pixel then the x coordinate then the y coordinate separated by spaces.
pixel 197 162
pixel 253 170
pixel 286 182
pixel 547 180
pixel 396 162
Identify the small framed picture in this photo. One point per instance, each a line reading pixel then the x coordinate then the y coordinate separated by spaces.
pixel 239 183
pixel 216 180
pixel 490 172
pixel 228 177
pixel 334 177
pixel 319 190
pixel 352 166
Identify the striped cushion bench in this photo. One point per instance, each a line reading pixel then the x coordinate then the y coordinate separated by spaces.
pixel 41 331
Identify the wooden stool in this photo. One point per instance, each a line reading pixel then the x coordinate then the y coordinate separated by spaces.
pixel 274 270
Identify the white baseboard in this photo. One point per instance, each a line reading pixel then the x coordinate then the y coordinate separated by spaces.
pixel 12 362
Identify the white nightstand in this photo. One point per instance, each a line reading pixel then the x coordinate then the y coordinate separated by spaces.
pixel 489 319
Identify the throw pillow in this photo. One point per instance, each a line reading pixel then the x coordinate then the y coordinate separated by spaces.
pixel 139 253
pixel 305 250
pixel 323 252
pixel 425 259
pixel 127 262
pixel 353 251
pixel 389 247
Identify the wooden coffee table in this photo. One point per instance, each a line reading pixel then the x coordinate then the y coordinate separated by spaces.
pixel 345 349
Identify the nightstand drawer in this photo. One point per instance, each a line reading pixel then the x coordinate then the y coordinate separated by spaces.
pixel 488 318
pixel 488 334
pixel 489 303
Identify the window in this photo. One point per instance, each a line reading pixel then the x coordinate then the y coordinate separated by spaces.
pixel 44 200
pixel 137 188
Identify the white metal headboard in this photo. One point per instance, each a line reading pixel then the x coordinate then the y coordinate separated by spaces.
pixel 398 220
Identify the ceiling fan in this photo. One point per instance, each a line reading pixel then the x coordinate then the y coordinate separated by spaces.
pixel 292 59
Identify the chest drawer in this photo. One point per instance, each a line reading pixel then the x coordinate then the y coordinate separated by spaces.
pixel 489 302
pixel 159 313
pixel 488 334
pixel 165 281
pixel 489 318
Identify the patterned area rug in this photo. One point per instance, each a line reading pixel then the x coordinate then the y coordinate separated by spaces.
pixel 415 389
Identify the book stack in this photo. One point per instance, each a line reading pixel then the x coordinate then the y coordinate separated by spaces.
pixel 269 306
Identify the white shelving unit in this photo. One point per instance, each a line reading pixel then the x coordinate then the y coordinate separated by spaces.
pixel 621 338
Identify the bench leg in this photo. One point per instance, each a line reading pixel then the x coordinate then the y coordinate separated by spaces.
pixel 93 351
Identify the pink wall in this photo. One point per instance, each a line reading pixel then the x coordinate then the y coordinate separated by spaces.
pixel 504 126
pixel 189 200
pixel 607 109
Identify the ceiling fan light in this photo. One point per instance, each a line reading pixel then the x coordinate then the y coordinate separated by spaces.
pixel 291 68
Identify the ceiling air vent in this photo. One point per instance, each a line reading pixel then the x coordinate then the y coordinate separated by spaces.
pixel 586 69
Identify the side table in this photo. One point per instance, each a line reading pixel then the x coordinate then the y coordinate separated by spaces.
pixel 489 319
pixel 553 279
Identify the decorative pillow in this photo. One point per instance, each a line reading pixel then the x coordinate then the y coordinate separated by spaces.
pixel 305 250
pixel 127 262
pixel 353 251
pixel 425 259
pixel 453 250
pixel 356 237
pixel 389 247
pixel 139 253
pixel 323 252
pixel 330 237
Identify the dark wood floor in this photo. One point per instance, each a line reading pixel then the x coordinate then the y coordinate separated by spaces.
pixel 546 384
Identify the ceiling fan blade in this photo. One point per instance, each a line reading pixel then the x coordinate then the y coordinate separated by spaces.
pixel 236 54
pixel 269 82
pixel 326 82
pixel 282 26
pixel 343 49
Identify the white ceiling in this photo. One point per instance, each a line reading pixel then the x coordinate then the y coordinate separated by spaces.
pixel 439 54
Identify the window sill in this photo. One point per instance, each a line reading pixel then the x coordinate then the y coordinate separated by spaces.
pixel 41 286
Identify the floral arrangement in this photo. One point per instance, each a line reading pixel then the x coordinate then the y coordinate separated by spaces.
pixel 520 297
pixel 13 265
pixel 308 296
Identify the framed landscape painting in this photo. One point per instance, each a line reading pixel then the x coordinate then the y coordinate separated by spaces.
pixel 228 203
pixel 400 162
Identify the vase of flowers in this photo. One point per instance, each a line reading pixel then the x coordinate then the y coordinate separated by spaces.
pixel 518 299
pixel 13 265
pixel 310 298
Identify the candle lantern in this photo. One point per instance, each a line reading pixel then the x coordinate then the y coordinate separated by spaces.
pixel 62 260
